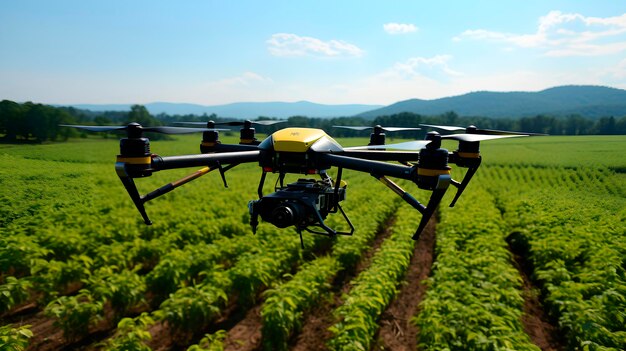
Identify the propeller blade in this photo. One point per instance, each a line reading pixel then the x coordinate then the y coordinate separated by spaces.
pixel 95 128
pixel 268 122
pixel 408 145
pixel 474 130
pixel 354 127
pixel 262 123
pixel 181 130
pixel 387 129
pixel 448 128
pixel 478 137
pixel 503 132
pixel 193 123
pixel 399 129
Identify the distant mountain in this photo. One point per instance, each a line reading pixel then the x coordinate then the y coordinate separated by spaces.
pixel 588 101
pixel 246 110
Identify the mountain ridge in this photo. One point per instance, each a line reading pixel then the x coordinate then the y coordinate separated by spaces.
pixel 586 100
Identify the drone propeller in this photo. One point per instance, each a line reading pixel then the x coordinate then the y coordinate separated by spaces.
pixel 408 145
pixel 473 130
pixel 378 127
pixel 479 137
pixel 378 136
pixel 137 127
pixel 248 122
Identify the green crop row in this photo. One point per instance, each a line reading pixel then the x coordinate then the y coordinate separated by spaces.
pixel 14 339
pixel 575 244
pixel 286 304
pixel 374 288
pixel 474 300
pixel 191 308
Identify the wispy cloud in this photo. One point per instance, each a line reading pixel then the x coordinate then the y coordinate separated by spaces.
pixel 399 28
pixel 245 79
pixel 425 66
pixel 286 44
pixel 564 34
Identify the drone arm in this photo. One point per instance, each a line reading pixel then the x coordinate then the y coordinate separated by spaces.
pixel 126 169
pixel 171 162
pixel 372 167
pixel 400 156
pixel 377 168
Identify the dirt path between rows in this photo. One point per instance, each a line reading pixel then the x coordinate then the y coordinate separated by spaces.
pixel 541 330
pixel 396 331
pixel 315 332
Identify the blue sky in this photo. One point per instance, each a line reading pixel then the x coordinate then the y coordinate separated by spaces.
pixel 333 52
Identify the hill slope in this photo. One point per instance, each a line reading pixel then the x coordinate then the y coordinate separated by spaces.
pixel 247 110
pixel 589 101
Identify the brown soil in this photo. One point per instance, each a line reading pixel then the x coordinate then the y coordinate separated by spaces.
pixel 245 335
pixel 537 325
pixel 161 337
pixel 315 332
pixel 396 332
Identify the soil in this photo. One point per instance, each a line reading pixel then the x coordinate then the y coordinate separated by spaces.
pixel 396 331
pixel 245 335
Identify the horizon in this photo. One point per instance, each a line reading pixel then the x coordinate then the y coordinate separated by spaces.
pixel 314 102
pixel 71 53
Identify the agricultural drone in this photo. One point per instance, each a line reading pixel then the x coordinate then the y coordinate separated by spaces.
pixel 306 203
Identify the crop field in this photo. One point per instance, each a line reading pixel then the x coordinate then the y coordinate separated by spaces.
pixel 532 257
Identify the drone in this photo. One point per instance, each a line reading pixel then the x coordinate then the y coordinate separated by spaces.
pixel 306 203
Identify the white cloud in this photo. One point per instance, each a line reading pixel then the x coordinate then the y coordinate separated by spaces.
pixel 245 79
pixel 286 44
pixel 564 34
pixel 423 66
pixel 399 28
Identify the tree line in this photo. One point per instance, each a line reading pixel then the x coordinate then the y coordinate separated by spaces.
pixel 32 122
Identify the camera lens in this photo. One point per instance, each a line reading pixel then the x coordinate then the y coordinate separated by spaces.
pixel 284 215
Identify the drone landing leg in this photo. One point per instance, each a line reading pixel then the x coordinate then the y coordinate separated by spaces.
pixel 131 188
pixel 461 186
pixel 434 201
pixel 443 182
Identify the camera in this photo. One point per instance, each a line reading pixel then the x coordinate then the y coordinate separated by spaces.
pixel 304 203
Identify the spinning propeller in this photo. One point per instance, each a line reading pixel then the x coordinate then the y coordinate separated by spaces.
pixel 378 136
pixel 134 128
pixel 471 129
pixel 247 133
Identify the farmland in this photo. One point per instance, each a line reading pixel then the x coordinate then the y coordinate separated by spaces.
pixel 532 257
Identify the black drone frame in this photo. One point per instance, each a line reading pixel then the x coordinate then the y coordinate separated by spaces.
pixel 427 168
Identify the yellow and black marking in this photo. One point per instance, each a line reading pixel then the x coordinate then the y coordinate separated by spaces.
pixel 247 141
pixel 134 160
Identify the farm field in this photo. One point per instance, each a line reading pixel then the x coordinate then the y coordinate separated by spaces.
pixel 533 256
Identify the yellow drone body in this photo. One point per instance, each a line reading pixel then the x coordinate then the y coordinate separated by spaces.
pixel 296 139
